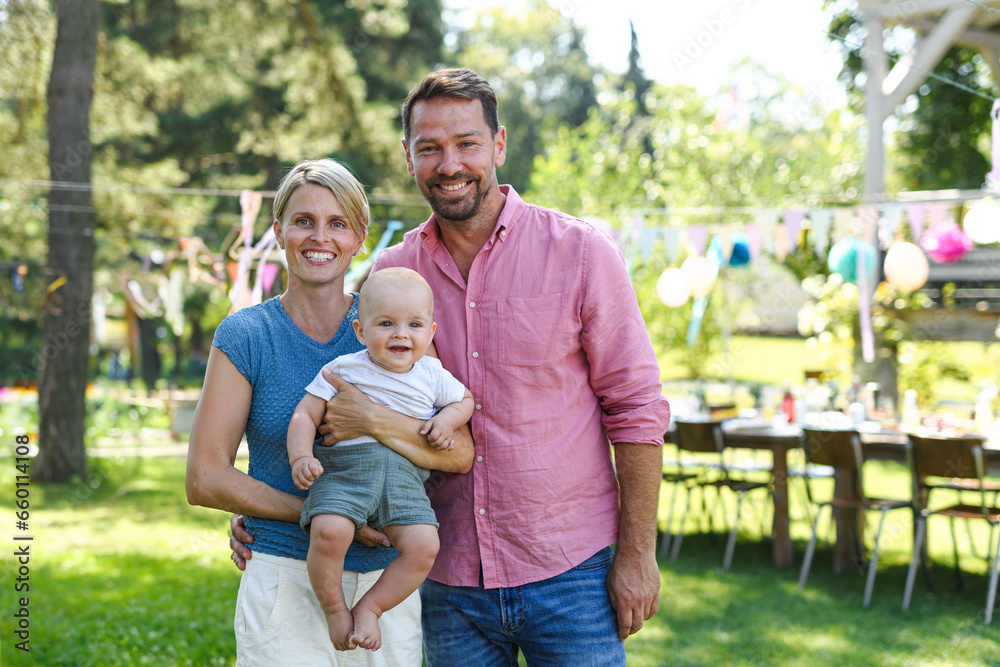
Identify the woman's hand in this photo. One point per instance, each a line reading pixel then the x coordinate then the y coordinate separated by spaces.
pixel 369 537
pixel 239 538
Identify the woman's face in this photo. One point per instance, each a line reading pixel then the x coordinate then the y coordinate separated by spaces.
pixel 318 238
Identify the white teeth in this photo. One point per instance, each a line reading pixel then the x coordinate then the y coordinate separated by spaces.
pixel 452 188
pixel 318 256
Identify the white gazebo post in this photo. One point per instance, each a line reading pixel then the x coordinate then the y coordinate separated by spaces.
pixel 942 23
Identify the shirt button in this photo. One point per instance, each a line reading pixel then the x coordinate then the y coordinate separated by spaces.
pixel 475 355
pixel 479 406
pixel 479 458
pixel 472 304
pixel 503 233
pixel 482 511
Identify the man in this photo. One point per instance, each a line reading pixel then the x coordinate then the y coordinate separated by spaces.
pixel 539 320
pixel 536 316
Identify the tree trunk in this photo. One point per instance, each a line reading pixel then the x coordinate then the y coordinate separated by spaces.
pixel 63 363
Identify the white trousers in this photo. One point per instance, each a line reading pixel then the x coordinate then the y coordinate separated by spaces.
pixel 279 621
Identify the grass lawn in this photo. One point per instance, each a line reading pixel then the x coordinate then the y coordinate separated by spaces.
pixel 124 572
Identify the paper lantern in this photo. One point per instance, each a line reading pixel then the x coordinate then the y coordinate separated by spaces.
pixel 982 221
pixel 740 256
pixel 843 259
pixel 672 288
pixel 699 275
pixel 906 266
pixel 946 243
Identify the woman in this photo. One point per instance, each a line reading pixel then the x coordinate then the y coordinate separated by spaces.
pixel 261 360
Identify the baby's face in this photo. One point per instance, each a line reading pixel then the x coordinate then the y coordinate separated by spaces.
pixel 397 326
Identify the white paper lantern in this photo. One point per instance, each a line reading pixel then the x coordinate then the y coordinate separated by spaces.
pixel 982 221
pixel 699 274
pixel 672 288
pixel 906 266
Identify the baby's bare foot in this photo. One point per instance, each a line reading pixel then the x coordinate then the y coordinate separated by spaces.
pixel 341 625
pixel 366 631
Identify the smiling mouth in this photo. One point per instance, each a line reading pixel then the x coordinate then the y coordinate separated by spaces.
pixel 317 256
pixel 399 349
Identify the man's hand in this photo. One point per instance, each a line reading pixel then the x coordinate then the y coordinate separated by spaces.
pixel 346 412
pixel 634 589
pixel 239 538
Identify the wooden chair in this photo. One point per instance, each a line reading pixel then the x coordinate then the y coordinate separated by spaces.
pixel 706 437
pixel 960 462
pixel 841 450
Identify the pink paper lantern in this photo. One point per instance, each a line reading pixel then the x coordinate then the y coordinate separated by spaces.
pixel 946 243
pixel 672 288
pixel 906 266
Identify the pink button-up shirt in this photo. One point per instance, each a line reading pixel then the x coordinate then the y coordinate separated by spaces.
pixel 548 337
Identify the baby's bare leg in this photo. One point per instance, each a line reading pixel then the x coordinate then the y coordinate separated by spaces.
pixel 417 546
pixel 329 537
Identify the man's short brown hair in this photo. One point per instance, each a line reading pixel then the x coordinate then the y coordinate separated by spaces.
pixel 460 83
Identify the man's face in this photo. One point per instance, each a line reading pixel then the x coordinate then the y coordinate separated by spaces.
pixel 453 156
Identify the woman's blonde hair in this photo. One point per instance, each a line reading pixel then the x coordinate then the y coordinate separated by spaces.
pixel 333 176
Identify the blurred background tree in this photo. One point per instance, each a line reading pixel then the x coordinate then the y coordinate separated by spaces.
pixel 195 101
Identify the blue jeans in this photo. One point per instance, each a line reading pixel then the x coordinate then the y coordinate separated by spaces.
pixel 566 620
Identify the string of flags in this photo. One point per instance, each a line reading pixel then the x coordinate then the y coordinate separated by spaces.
pixel 849 238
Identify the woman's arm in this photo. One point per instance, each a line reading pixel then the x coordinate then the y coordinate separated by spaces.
pixel 212 478
pixel 351 414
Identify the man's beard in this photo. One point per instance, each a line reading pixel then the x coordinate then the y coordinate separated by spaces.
pixel 457 210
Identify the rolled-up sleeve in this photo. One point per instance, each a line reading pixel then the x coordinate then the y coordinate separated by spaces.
pixel 624 372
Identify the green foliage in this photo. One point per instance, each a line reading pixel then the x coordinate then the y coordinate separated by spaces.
pixel 183 101
pixel 536 61
pixel 945 142
pixel 27 38
pixel 784 146
pixel 944 129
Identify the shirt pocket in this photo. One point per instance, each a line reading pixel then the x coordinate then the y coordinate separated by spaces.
pixel 532 329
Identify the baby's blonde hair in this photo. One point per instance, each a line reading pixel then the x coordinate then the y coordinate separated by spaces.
pixel 394 276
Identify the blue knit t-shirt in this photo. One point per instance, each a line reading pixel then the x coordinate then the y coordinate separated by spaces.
pixel 278 360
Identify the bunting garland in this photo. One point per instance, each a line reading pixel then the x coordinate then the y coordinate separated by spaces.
pixel 868 227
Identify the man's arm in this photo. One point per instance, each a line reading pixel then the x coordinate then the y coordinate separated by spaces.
pixel 634 579
pixel 350 414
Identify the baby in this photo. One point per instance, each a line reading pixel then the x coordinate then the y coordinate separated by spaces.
pixel 361 481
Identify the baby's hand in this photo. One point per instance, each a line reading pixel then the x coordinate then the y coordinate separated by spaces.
pixel 305 470
pixel 439 436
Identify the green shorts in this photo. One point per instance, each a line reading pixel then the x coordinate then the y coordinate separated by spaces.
pixel 368 483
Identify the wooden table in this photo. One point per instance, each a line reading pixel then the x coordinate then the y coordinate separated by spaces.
pixel 883 445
